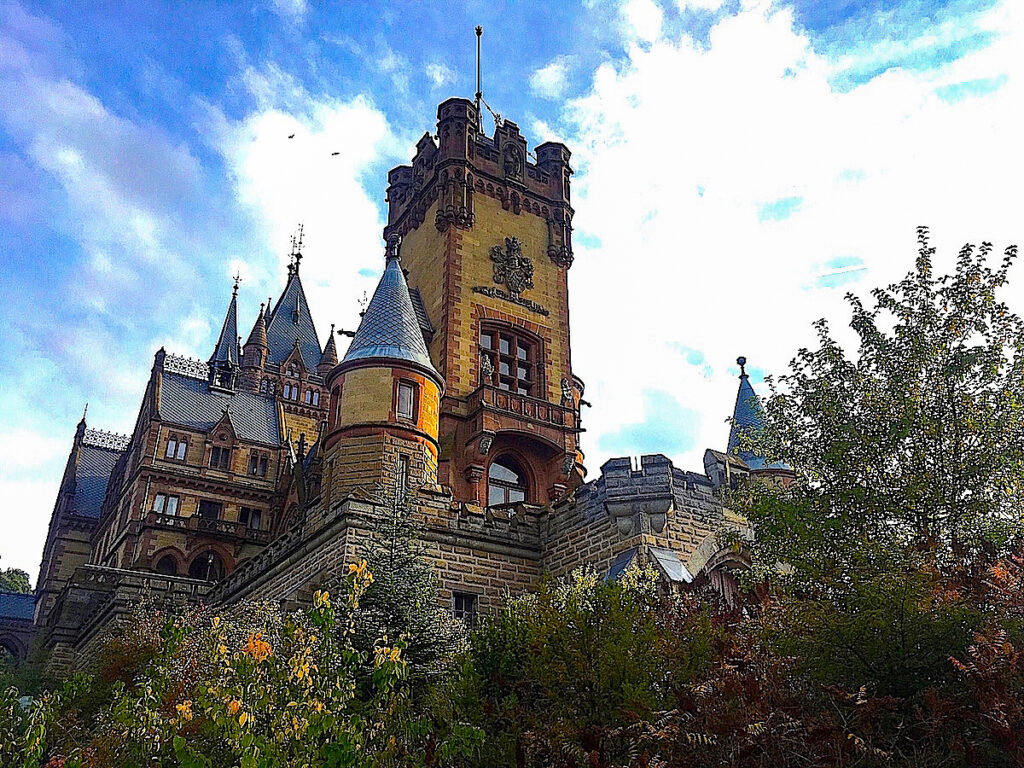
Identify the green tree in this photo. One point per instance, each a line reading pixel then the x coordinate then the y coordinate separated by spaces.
pixel 15 580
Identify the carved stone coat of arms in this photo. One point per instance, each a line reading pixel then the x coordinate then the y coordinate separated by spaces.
pixel 511 268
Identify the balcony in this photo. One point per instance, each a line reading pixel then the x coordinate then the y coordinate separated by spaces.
pixel 211 527
pixel 503 403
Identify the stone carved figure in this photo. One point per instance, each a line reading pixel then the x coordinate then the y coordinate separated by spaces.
pixel 512 162
pixel 511 268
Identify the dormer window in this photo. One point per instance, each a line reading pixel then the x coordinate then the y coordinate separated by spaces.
pixel 220 457
pixel 406 401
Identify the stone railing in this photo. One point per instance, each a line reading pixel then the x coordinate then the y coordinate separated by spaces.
pixel 522 406
pixel 209 526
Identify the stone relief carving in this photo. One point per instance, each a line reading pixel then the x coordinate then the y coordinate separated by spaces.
pixel 512 162
pixel 511 268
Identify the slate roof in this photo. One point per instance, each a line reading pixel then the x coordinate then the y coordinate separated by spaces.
pixel 421 313
pixel 91 475
pixel 330 353
pixel 258 335
pixel 291 322
pixel 189 402
pixel 748 419
pixel 390 329
pixel 226 350
pixel 14 605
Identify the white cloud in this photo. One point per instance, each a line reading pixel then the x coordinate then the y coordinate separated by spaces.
pixel 643 19
pixel 314 178
pixel 439 74
pixel 550 81
pixel 290 10
pixel 719 189
pixel 702 5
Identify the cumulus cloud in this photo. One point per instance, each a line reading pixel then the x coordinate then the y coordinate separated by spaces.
pixel 439 74
pixel 643 19
pixel 315 179
pixel 728 194
pixel 550 81
pixel 290 10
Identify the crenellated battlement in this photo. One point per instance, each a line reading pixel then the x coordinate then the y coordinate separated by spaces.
pixel 460 162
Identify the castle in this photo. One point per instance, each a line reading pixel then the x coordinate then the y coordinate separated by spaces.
pixel 255 474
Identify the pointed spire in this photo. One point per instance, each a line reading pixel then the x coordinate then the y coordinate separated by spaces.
pixel 329 358
pixel 389 329
pixel 258 336
pixel 80 429
pixel 748 420
pixel 226 351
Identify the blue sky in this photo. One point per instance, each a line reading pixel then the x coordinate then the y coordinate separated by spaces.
pixel 739 165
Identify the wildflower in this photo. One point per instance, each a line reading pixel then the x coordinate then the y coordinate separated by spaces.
pixel 322 599
pixel 242 718
pixel 185 710
pixel 233 706
pixel 257 647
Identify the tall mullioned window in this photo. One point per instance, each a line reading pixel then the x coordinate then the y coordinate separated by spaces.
pixel 508 359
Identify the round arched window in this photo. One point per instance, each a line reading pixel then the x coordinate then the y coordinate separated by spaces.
pixel 207 567
pixel 506 482
pixel 167 566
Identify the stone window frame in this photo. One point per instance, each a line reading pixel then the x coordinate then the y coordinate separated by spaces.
pixel 177 447
pixel 165 498
pixel 466 607
pixel 527 486
pixel 518 337
pixel 414 387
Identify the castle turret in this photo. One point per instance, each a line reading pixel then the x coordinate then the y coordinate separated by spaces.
pixel 329 358
pixel 254 353
pixel 385 394
pixel 748 422
pixel 225 360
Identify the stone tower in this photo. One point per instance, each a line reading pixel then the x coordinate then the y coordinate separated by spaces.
pixel 385 393
pixel 486 246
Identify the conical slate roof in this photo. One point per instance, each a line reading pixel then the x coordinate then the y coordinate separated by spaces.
pixel 258 336
pixel 226 350
pixel 389 329
pixel 748 420
pixel 330 354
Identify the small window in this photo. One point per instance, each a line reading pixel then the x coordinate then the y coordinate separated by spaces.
pixel 406 400
pixel 506 482
pixel 509 360
pixel 263 466
pixel 466 607
pixel 251 518
pixel 287 391
pixel 210 510
pixel 182 447
pixel 172 446
pixel 316 397
pixel 264 386
pixel 166 566
pixel 309 396
pixel 165 505
pixel 403 477
pixel 220 457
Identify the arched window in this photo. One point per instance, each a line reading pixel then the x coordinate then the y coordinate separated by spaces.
pixel 287 391
pixel 207 566
pixel 167 566
pixel 506 482
pixel 316 397
pixel 309 396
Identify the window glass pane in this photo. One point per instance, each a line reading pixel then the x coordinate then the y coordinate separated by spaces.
pixel 501 471
pixel 159 502
pixel 181 449
pixel 504 345
pixel 243 516
pixel 405 400
pixel 316 398
pixel 255 521
pixel 171 447
pixel 495 495
pixel 172 505
pixel 514 494
pixel 504 385
pixel 521 352
pixel 504 368
pixel 485 340
pixel 522 372
pixel 263 466
pixel 522 391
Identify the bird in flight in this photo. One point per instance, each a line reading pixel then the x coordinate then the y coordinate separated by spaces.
pixel 335 153
pixel 292 136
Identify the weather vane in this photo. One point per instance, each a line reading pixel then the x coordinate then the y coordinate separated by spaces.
pixel 237 278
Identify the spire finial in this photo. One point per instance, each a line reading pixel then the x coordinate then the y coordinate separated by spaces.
pixel 392 250
pixel 742 363
pixel 85 412
pixel 296 253
pixel 237 278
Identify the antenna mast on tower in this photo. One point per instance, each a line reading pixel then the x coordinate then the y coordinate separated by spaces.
pixel 479 93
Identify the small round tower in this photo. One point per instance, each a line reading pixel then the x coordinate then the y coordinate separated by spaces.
pixel 385 397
